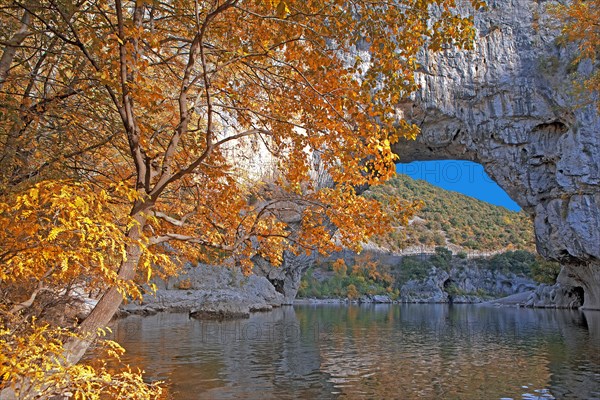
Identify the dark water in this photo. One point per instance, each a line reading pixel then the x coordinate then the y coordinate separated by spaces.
pixel 372 351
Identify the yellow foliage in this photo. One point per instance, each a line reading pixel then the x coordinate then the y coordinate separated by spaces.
pixel 580 26
pixel 116 136
pixel 352 292
pixel 339 267
pixel 32 365
pixel 153 136
pixel 57 232
pixel 61 232
pixel 184 284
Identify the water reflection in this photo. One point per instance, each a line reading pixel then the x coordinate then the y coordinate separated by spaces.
pixel 372 351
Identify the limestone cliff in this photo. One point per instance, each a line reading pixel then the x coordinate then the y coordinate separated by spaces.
pixel 205 291
pixel 509 105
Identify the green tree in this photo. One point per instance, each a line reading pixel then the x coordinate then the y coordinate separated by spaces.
pixel 545 271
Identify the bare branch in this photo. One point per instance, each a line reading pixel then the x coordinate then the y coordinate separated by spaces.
pixel 171 220
pixel 185 238
pixel 11 47
pixel 27 303
pixel 197 48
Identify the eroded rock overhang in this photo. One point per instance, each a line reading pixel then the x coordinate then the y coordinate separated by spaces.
pixel 510 105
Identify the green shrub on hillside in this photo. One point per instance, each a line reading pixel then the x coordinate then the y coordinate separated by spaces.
pixel 462 220
pixel 518 262
pixel 441 258
pixel 366 278
pixel 545 271
pixel 413 268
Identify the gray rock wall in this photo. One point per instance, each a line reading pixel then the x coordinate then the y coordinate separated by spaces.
pixel 509 105
pixel 554 296
pixel 285 278
pixel 207 291
pixel 466 284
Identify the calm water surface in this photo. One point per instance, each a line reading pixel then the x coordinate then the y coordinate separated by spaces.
pixel 372 351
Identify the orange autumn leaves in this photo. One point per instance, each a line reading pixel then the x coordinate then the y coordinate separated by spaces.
pixel 580 26
pixel 119 119
pixel 65 233
pixel 162 89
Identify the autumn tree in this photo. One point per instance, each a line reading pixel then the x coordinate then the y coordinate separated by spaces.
pixel 580 26
pixel 122 121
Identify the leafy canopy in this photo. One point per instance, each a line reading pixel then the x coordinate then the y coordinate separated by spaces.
pixel 132 132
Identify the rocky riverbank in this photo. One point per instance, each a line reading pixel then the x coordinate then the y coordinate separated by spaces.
pixel 213 292
pixel 477 285
pixel 464 284
pixel 544 296
pixel 205 291
pixel 439 278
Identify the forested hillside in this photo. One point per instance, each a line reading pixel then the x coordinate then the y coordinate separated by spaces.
pixel 451 219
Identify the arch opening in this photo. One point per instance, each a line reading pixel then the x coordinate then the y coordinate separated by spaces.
pixel 466 177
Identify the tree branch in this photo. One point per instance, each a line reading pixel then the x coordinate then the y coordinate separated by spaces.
pixel 171 220
pixel 185 238
pixel 11 47
pixel 27 303
pixel 196 48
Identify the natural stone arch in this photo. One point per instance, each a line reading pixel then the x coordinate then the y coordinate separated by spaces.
pixel 506 105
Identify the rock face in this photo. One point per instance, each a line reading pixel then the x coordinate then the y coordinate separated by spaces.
pixel 206 291
pixel 508 105
pixel 466 285
pixel 555 296
pixel 430 290
pixel 286 278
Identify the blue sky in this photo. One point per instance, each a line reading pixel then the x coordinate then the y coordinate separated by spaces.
pixel 460 176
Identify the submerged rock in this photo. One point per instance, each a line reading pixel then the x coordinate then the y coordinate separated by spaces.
pixel 220 310
pixel 517 299
pixel 379 298
pixel 376 298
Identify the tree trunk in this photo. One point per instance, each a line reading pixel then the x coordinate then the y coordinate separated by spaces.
pixel 111 300
pixel 11 47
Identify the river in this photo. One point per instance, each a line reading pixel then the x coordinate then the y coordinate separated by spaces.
pixel 371 351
